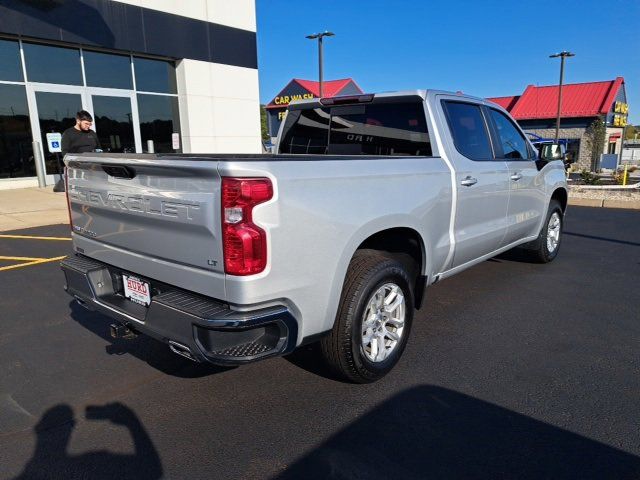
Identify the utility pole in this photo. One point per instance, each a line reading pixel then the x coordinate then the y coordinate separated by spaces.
pixel 320 36
pixel 562 56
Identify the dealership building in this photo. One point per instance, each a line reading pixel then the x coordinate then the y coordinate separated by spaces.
pixel 163 76
pixel 582 103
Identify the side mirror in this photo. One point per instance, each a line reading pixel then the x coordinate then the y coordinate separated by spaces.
pixel 552 151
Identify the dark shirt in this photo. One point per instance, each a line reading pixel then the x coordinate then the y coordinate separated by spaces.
pixel 78 141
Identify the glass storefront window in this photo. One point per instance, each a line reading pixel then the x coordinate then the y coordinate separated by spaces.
pixel 114 123
pixel 49 64
pixel 16 154
pixel 10 67
pixel 107 70
pixel 158 120
pixel 154 75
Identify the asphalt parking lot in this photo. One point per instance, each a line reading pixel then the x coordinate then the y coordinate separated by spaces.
pixel 514 370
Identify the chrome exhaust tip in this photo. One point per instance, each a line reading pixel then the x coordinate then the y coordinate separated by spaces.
pixel 182 350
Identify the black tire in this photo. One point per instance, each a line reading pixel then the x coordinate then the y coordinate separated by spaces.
pixel 343 348
pixel 538 250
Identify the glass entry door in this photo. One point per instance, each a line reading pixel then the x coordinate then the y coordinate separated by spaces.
pixel 56 112
pixel 115 123
pixel 115 117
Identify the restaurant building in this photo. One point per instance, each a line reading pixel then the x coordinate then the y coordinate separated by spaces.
pixel 167 76
pixel 582 103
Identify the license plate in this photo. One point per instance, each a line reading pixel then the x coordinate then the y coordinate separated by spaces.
pixel 136 290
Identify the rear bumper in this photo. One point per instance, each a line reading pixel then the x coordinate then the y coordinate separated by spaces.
pixel 200 328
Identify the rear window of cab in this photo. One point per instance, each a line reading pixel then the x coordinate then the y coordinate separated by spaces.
pixel 381 129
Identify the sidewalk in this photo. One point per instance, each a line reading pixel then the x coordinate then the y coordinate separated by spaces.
pixel 31 207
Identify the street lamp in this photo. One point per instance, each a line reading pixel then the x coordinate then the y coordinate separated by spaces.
pixel 320 36
pixel 562 56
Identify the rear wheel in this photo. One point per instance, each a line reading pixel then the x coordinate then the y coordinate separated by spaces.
pixel 545 248
pixel 373 320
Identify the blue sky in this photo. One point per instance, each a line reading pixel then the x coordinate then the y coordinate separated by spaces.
pixel 488 48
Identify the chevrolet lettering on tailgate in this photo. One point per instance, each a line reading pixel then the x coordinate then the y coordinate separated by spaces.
pixel 136 203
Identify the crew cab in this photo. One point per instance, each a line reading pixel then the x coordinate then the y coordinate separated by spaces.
pixel 369 199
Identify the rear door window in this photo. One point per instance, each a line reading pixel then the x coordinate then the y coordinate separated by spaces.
pixel 383 129
pixel 469 130
pixel 379 129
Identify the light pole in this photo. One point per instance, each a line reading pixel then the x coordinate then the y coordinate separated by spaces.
pixel 562 56
pixel 320 36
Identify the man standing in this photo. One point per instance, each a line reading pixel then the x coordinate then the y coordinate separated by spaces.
pixel 80 138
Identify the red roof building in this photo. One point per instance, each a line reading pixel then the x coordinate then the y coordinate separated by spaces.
pixel 579 100
pixel 506 102
pixel 536 111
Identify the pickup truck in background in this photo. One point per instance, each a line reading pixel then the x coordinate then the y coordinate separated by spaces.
pixel 333 239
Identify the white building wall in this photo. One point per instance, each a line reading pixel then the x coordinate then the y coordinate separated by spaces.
pixel 233 13
pixel 219 108
pixel 611 131
pixel 219 104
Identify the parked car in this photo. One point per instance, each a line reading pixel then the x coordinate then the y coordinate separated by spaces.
pixel 371 198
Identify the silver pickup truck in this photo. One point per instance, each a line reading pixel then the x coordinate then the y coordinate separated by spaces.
pixel 333 239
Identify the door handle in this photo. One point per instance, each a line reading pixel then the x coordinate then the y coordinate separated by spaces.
pixel 468 181
pixel 516 176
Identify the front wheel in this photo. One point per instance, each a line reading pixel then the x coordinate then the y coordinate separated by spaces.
pixel 373 320
pixel 545 248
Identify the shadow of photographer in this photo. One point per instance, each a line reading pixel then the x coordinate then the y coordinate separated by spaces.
pixel 51 459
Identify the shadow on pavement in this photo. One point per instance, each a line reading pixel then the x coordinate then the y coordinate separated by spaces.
pixel 143 347
pixel 603 239
pixel 52 461
pixel 514 255
pixel 309 358
pixel 433 432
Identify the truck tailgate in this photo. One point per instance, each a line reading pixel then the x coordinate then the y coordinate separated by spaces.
pixel 152 215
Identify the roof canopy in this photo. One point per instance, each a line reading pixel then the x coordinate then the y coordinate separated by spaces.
pixel 578 100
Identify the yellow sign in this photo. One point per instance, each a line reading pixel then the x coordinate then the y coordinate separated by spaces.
pixel 287 99
pixel 621 107
pixel 619 120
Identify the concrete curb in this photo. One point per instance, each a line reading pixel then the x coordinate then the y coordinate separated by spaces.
pixel 603 202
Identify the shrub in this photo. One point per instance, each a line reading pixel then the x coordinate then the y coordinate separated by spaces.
pixel 618 176
pixel 589 178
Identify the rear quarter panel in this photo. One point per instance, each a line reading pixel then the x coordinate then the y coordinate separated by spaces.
pixel 323 210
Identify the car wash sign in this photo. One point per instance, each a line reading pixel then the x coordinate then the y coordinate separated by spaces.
pixel 285 100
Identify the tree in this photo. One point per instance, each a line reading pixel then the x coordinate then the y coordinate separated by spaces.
pixel 263 124
pixel 630 132
pixel 595 139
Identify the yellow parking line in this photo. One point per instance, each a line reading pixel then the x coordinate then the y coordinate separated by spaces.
pixel 35 262
pixel 31 237
pixel 21 259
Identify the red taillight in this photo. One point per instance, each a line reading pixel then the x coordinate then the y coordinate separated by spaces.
pixel 243 242
pixel 66 190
